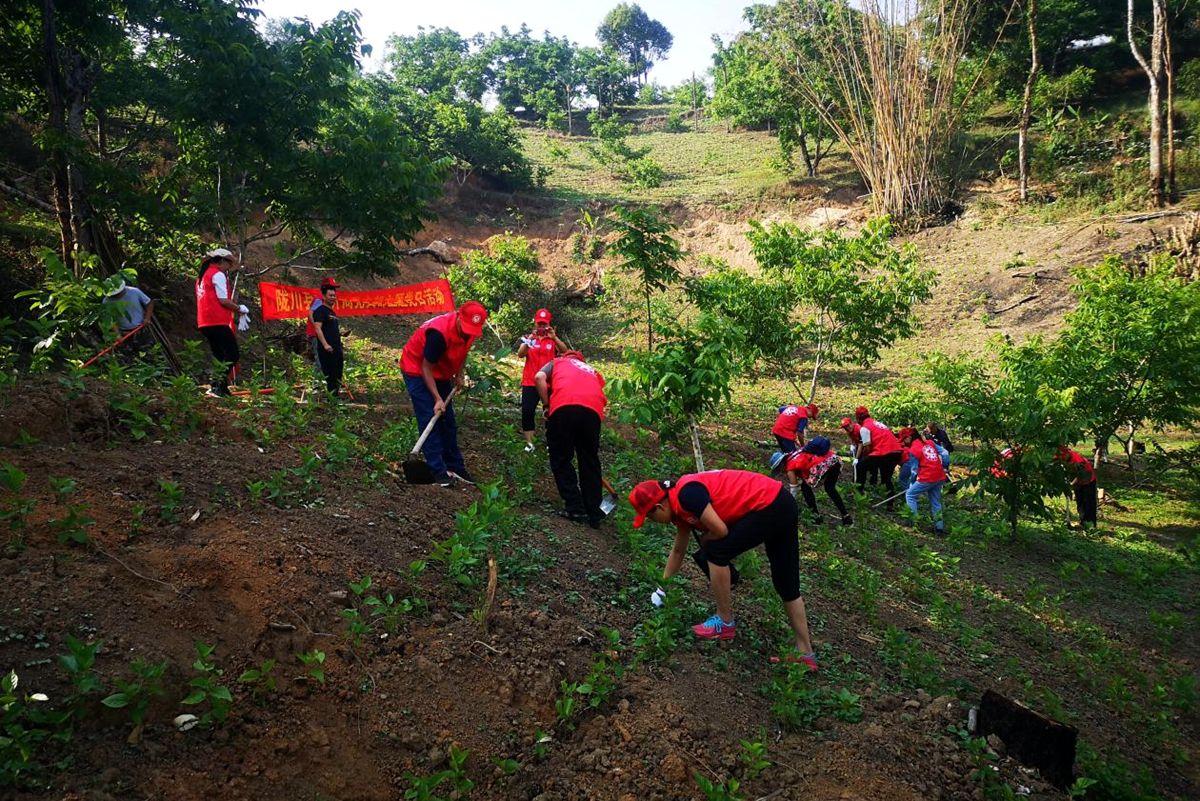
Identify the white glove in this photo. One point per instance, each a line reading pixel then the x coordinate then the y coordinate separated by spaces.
pixel 855 463
pixel 244 321
pixel 793 488
pixel 243 309
pixel 527 342
pixel 658 596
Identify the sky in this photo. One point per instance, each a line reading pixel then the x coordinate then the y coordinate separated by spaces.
pixel 691 22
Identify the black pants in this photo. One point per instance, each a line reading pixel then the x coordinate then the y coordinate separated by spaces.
pixel 776 529
pixel 529 404
pixel 224 347
pixel 573 433
pixel 886 465
pixel 829 482
pixel 332 365
pixel 1086 501
pixel 785 445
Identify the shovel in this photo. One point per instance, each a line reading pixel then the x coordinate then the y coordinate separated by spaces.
pixel 609 501
pixel 416 471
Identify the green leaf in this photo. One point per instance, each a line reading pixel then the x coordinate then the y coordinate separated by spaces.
pixel 116 701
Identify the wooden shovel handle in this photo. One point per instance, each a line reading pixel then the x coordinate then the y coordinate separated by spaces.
pixel 429 426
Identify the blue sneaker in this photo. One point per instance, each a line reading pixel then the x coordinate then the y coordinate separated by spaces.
pixel 715 629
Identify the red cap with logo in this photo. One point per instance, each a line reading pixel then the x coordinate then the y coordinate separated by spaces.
pixel 644 497
pixel 847 422
pixel 329 282
pixel 471 316
pixel 542 316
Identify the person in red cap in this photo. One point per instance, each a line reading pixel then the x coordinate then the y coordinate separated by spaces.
pixel 733 511
pixel 880 450
pixel 790 424
pixel 215 309
pixel 929 477
pixel 330 356
pixel 573 393
pixel 854 433
pixel 539 348
pixel 432 363
pixel 1083 484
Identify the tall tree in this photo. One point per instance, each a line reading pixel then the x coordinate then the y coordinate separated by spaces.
pixel 630 31
pixel 648 250
pixel 1031 10
pixel 1156 78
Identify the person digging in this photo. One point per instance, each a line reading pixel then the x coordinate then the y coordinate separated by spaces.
pixel 573 394
pixel 133 310
pixel 538 348
pixel 880 451
pixel 330 356
pixel 1083 484
pixel 854 433
pixel 432 363
pixel 816 463
pixel 790 425
pixel 733 511
pixel 928 477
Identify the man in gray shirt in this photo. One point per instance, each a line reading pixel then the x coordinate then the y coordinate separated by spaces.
pixel 134 309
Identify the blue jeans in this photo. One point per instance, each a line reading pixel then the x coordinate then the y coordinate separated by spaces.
pixel 934 491
pixel 441 448
pixel 907 472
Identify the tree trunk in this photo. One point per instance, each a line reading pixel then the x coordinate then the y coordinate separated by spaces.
pixel 812 387
pixel 56 108
pixel 1027 101
pixel 696 452
pixel 1169 71
pixel 810 169
pixel 1153 70
pixel 649 327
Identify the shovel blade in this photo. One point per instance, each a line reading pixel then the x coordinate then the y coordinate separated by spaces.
pixel 607 504
pixel 416 471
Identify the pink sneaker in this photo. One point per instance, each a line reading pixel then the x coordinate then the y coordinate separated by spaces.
pixel 715 629
pixel 808 660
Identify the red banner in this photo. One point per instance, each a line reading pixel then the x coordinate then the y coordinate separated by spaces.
pixel 283 302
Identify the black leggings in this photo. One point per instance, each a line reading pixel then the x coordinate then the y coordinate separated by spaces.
pixel 1086 497
pixel 885 464
pixel 224 346
pixel 529 404
pixel 776 528
pixel 829 482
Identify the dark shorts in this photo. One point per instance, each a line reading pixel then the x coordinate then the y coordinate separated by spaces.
pixel 529 403
pixel 775 528
pixel 785 445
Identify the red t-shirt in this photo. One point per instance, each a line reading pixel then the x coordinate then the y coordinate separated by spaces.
pixel 929 462
pixel 732 493
pixel 538 356
pixel 787 424
pixel 801 462
pixel 1082 468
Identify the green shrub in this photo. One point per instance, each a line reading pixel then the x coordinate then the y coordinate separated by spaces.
pixel 644 172
pixel 503 276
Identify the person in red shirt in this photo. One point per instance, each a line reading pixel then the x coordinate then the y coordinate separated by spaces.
pixel 880 450
pixel 816 463
pixel 929 478
pixel 215 309
pixel 1083 483
pixel 732 511
pixel 790 424
pixel 539 348
pixel 854 434
pixel 573 393
pixel 432 362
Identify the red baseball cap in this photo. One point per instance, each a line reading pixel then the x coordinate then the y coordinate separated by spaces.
pixel 573 354
pixel 861 412
pixel 814 410
pixel 644 497
pixel 847 422
pixel 471 316
pixel 329 283
pixel 541 316
pixel 908 432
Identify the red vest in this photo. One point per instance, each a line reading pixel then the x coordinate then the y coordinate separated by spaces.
pixel 209 310
pixel 734 494
pixel 576 383
pixel 452 359
pixel 1084 472
pixel 537 357
pixel 929 462
pixel 883 441
pixel 310 330
pixel 788 421
pixel 802 462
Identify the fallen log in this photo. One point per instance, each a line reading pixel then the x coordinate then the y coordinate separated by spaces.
pixel 1032 738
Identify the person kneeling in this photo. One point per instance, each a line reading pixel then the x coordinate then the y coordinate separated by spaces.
pixel 734 511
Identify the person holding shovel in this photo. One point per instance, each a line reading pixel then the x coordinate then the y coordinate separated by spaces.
pixel 880 451
pixel 330 356
pixel 539 348
pixel 133 309
pixel 215 308
pixel 816 463
pixel 432 363
pixel 1083 484
pixel 928 477
pixel 573 394
pixel 790 424
pixel 854 434
pixel 733 511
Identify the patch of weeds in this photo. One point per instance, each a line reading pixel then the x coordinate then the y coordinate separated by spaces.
pixel 28 727
pixel 728 790
pixel 260 680
pixel 426 788
pixel 753 756
pixel 908 659
pixel 73 526
pixel 170 500
pixel 797 701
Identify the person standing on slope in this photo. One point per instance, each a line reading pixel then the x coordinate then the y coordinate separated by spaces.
pixel 215 309
pixel 790 424
pixel 432 363
pixel 928 478
pixel 733 511
pixel 538 348
pixel 880 451
pixel 330 356
pixel 573 393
